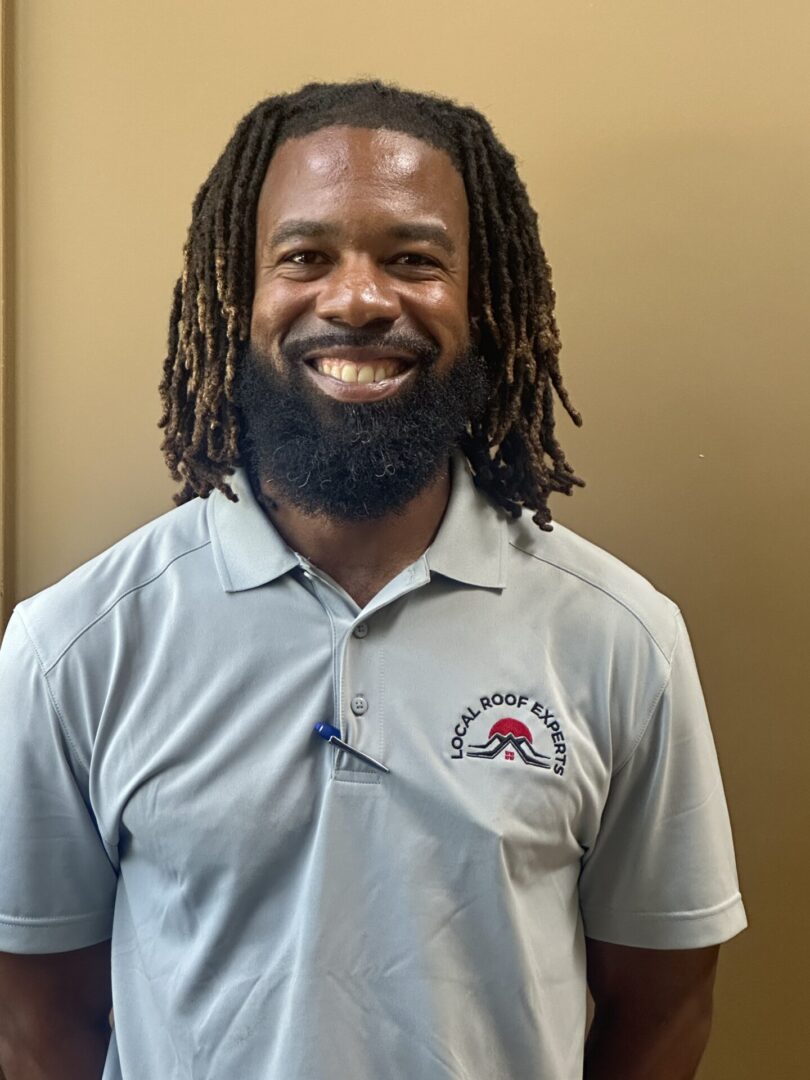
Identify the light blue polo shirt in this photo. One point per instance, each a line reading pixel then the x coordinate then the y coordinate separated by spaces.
pixel 278 909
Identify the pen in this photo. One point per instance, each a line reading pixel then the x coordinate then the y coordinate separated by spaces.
pixel 332 735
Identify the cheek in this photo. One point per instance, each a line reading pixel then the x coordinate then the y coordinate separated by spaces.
pixel 275 307
pixel 446 310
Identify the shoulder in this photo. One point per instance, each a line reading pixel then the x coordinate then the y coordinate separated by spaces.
pixel 596 585
pixel 59 615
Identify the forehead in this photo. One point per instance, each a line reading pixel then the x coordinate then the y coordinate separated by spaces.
pixel 361 173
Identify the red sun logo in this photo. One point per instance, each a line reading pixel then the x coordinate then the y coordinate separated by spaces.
pixel 510 726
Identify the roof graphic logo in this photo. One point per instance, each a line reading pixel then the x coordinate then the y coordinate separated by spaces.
pixel 509 736
pixel 531 734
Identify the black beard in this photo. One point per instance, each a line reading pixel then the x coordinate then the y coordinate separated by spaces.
pixel 352 461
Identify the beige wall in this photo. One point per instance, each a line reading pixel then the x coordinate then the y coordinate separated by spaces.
pixel 666 147
pixel 6 304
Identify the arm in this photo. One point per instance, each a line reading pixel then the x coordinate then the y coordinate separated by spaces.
pixel 653 1011
pixel 54 1011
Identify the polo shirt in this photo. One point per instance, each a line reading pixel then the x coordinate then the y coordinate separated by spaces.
pixel 280 910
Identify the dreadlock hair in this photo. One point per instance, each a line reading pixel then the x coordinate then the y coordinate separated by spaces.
pixel 512 450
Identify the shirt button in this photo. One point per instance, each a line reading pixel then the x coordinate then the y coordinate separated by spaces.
pixel 361 630
pixel 359 705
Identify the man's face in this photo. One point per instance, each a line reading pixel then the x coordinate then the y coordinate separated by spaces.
pixel 360 373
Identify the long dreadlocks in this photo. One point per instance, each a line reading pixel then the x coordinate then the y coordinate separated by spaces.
pixel 513 451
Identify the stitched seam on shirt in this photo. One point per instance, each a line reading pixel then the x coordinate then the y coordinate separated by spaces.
pixel 63 727
pixel 337 675
pixel 655 702
pixel 103 614
pixel 695 913
pixel 52 698
pixel 593 584
pixel 380 706
pixel 352 776
pixel 644 727
pixel 50 920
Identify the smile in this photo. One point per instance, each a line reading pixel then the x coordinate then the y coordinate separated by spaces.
pixel 354 371
pixel 369 379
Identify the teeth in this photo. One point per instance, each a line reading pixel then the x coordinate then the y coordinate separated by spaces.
pixel 351 372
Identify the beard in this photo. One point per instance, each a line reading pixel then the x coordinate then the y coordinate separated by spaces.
pixel 353 461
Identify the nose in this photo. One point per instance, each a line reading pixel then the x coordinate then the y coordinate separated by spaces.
pixel 357 292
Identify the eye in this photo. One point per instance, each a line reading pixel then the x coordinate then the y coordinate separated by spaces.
pixel 303 258
pixel 415 258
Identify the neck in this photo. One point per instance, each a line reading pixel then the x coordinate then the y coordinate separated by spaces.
pixel 362 556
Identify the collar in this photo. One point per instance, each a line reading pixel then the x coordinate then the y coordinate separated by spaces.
pixel 470 546
pixel 248 550
pixel 472 542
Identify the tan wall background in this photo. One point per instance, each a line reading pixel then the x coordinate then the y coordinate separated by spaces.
pixel 665 145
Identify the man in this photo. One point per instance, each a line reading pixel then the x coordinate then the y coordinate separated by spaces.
pixel 358 401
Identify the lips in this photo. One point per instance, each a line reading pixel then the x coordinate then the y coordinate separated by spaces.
pixel 357 379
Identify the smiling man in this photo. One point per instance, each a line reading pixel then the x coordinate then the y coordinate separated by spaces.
pixel 356 384
pixel 347 768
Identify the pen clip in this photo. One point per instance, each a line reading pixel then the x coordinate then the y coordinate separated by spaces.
pixel 331 734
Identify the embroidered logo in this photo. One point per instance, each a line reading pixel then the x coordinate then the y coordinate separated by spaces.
pixel 507 733
pixel 538 739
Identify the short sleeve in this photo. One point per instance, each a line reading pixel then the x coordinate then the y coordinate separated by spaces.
pixel 57 883
pixel 661 873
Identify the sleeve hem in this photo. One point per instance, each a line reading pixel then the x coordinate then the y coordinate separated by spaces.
pixel 668 930
pixel 58 934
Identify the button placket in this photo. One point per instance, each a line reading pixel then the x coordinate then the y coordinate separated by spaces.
pixel 358 703
pixel 360 716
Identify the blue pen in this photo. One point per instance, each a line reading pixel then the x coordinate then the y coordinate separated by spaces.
pixel 332 735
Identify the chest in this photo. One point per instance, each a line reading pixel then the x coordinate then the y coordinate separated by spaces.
pixel 490 739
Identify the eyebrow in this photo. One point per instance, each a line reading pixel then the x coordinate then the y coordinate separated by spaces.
pixel 307 230
pixel 293 230
pixel 423 231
